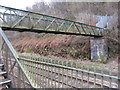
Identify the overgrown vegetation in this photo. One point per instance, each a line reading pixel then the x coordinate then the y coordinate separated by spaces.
pixel 27 50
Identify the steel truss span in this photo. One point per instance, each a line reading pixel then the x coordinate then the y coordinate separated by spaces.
pixel 21 20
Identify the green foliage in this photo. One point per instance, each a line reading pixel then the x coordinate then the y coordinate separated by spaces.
pixel 102 58
pixel 70 16
pixel 27 50
pixel 74 52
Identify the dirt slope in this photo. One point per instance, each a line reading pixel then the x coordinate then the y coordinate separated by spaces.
pixel 67 46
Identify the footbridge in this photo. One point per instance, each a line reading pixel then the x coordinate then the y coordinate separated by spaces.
pixel 35 71
pixel 21 20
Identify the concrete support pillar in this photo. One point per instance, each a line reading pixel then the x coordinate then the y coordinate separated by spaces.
pixel 99 49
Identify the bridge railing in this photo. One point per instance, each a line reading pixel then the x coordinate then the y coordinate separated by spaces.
pixel 15 70
pixel 11 18
pixel 67 73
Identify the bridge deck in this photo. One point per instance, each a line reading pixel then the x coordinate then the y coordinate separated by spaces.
pixel 21 20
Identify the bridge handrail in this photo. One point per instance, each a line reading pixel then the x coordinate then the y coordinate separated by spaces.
pixel 14 54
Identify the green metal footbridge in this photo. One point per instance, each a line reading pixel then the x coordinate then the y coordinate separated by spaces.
pixel 20 20
pixel 26 71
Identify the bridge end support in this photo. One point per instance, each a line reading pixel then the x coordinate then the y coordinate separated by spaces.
pixel 99 49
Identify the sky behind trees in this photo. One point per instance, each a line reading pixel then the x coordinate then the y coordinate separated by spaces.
pixel 19 4
pixel 22 4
